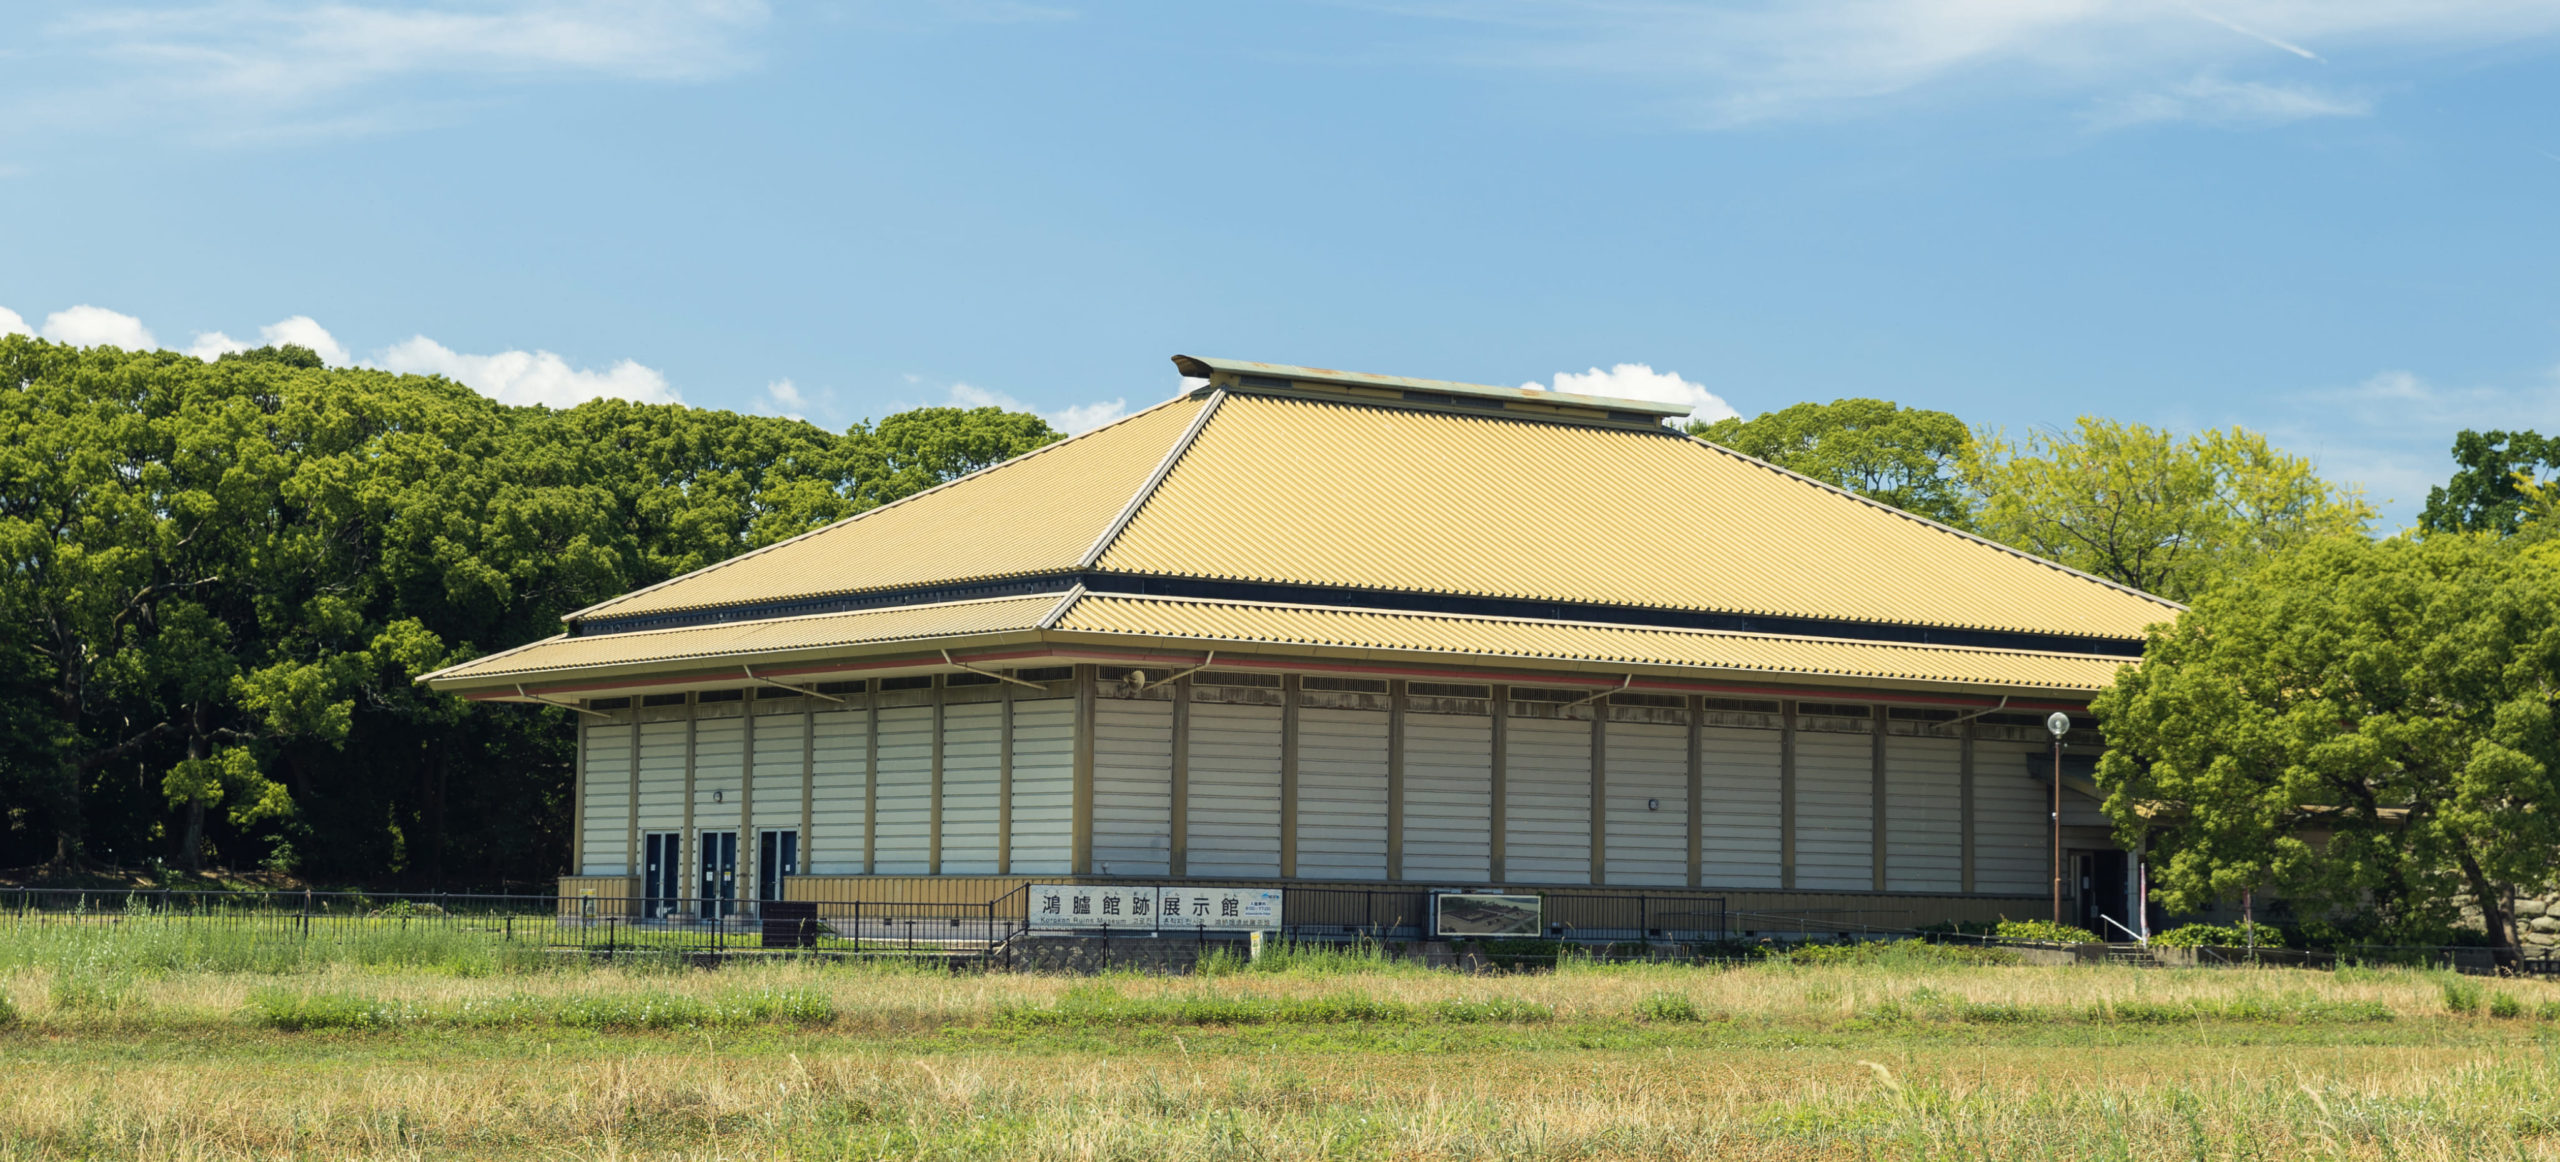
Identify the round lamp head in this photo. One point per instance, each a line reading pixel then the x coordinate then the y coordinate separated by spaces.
pixel 2059 724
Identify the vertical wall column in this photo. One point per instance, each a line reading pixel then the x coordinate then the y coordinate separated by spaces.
pixel 1787 794
pixel 1964 796
pixel 808 785
pixel 687 842
pixel 578 802
pixel 1500 790
pixel 1600 791
pixel 1879 843
pixel 1179 846
pixel 871 781
pixel 1004 784
pixel 933 794
pixel 1395 779
pixel 750 853
pixel 1697 790
pixel 1289 775
pixel 631 842
pixel 1082 836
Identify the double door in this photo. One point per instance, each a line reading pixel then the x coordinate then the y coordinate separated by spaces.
pixel 715 890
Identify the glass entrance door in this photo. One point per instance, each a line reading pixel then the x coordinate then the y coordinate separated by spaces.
pixel 777 855
pixel 661 874
pixel 719 874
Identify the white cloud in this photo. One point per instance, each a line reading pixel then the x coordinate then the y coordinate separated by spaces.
pixel 1638 381
pixel 212 345
pixel 300 331
pixel 1768 60
pixel 2393 433
pixel 528 377
pixel 88 326
pixel 297 331
pixel 12 324
pixel 265 61
pixel 783 398
pixel 1075 418
pixel 2242 105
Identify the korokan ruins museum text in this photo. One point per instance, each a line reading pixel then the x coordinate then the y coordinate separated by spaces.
pixel 1300 627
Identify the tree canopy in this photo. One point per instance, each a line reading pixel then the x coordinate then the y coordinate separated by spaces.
pixel 2489 489
pixel 2142 507
pixel 1909 458
pixel 2365 726
pixel 223 577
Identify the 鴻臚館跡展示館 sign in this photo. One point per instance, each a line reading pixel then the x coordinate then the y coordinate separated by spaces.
pixel 1125 907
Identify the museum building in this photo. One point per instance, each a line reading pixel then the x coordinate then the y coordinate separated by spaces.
pixel 1300 627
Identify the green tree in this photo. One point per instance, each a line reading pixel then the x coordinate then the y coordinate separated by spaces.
pixel 2487 493
pixel 1909 458
pixel 223 577
pixel 2361 725
pixel 2143 508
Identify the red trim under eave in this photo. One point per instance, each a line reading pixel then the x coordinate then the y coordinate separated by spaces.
pixel 1329 666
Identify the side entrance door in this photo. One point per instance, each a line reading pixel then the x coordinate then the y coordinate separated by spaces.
pixel 661 874
pixel 777 855
pixel 719 874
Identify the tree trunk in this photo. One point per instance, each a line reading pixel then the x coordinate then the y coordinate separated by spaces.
pixel 2494 914
pixel 191 851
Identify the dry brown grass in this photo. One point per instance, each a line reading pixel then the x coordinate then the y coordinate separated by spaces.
pixel 916 1066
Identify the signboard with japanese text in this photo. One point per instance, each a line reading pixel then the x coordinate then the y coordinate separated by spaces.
pixel 1238 909
pixel 1123 908
pixel 1095 906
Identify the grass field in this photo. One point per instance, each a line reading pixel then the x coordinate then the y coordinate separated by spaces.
pixel 383 1052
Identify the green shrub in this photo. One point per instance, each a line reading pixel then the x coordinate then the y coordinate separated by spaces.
pixel 316 1012
pixel 2219 936
pixel 2045 932
pixel 2460 995
pixel 1486 1012
pixel 8 1011
pixel 1913 953
pixel 1667 1007
pixel 2505 1005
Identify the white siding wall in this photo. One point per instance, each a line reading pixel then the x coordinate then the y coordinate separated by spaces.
pixel 905 827
pixel 1924 814
pixel 778 763
pixel 972 762
pixel 1835 812
pixel 1342 794
pixel 662 776
pixel 1234 819
pixel 2012 848
pixel 605 823
pixel 840 778
pixel 1547 802
pixel 1448 797
pixel 1739 810
pixel 1132 787
pixel 1044 786
pixel 1648 762
pixel 719 772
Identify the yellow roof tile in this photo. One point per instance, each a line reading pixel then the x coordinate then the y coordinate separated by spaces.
pixel 1036 513
pixel 1315 492
pixel 746 641
pixel 1285 625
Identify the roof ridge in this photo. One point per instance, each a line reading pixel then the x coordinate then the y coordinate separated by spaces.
pixel 875 509
pixel 1147 489
pixel 1941 526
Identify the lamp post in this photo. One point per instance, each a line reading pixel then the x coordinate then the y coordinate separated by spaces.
pixel 2059 724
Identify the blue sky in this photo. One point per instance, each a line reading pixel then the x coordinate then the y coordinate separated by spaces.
pixel 2332 221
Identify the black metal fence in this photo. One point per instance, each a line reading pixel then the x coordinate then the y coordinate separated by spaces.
pixel 597 926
